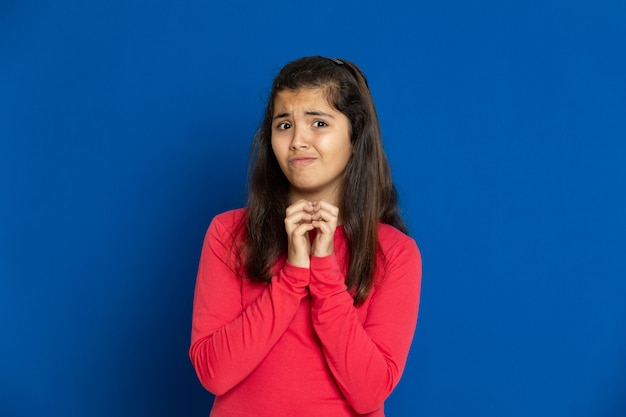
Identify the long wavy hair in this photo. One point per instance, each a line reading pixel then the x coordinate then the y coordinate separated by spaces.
pixel 369 196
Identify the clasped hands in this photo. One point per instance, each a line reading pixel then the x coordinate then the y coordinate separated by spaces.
pixel 302 217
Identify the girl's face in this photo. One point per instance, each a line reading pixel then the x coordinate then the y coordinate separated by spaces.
pixel 311 141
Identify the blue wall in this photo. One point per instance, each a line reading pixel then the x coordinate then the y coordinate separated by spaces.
pixel 125 126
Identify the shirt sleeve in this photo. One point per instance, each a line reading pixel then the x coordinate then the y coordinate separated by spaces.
pixel 228 341
pixel 367 359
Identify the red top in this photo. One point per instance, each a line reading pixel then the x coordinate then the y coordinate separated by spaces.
pixel 298 346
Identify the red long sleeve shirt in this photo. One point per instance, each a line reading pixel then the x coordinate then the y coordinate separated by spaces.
pixel 298 345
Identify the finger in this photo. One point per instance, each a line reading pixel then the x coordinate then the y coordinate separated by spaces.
pixel 323 227
pixel 300 205
pixel 299 211
pixel 299 217
pixel 298 236
pixel 301 230
pixel 326 216
pixel 299 246
pixel 298 214
pixel 323 244
pixel 325 205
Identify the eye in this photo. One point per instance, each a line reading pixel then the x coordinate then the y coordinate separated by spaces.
pixel 283 126
pixel 319 123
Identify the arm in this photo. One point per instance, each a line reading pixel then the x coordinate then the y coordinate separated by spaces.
pixel 367 359
pixel 227 341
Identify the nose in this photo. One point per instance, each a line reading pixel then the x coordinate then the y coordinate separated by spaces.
pixel 299 140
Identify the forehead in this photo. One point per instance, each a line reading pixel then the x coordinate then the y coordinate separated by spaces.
pixel 289 99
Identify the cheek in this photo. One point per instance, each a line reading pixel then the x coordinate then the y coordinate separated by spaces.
pixel 348 156
pixel 347 150
pixel 279 153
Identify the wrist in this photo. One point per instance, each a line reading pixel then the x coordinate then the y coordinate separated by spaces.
pixel 302 261
pixel 323 253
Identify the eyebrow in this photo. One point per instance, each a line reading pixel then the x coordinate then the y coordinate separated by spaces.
pixel 308 113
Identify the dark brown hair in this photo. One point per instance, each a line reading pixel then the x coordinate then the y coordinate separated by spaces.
pixel 369 196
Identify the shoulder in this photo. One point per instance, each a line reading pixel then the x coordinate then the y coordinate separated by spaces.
pixel 230 217
pixel 398 261
pixel 228 224
pixel 389 237
pixel 397 247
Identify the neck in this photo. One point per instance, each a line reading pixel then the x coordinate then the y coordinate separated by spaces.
pixel 332 198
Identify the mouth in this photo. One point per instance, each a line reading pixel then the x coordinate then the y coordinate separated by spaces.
pixel 301 161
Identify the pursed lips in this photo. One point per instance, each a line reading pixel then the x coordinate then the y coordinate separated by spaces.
pixel 301 160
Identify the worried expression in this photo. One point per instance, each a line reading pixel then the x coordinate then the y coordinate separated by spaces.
pixel 311 142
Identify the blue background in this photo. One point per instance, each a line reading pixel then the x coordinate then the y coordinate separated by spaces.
pixel 125 127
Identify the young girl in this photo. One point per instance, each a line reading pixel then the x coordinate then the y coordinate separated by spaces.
pixel 306 300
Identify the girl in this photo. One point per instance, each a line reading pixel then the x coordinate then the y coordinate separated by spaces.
pixel 306 300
